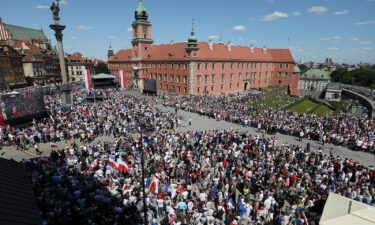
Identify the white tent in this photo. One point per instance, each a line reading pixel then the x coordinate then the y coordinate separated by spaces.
pixel 103 76
pixel 344 211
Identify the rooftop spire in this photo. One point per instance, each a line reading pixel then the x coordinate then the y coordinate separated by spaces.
pixel 192 34
pixel 141 12
pixel 192 40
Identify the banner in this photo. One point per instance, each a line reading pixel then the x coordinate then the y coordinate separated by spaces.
pixel 122 79
pixel 88 84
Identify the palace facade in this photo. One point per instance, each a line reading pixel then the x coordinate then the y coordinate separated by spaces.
pixel 200 68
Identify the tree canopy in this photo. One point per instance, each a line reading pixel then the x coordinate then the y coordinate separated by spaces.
pixel 359 77
pixel 102 68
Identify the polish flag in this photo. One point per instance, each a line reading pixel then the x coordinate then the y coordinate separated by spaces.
pixel 87 79
pixel 53 145
pixel 122 79
pixel 112 163
pixel 121 165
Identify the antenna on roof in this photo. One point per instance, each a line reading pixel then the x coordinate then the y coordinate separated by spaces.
pixel 220 40
pixel 109 40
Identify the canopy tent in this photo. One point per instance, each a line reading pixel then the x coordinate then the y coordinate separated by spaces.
pixel 103 76
pixel 345 211
pixel 103 80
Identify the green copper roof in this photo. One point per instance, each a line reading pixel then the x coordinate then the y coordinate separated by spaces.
pixel 316 74
pixel 192 37
pixel 19 33
pixel 296 69
pixel 141 8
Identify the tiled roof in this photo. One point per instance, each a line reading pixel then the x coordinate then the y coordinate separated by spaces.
pixel 281 55
pixel 176 51
pixel 122 55
pixel 76 56
pixel 17 201
pixel 24 33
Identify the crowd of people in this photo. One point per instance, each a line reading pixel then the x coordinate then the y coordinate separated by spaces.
pixel 86 120
pixel 215 177
pixel 220 177
pixel 348 131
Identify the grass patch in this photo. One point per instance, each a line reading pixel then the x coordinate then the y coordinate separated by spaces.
pixel 322 110
pixel 273 102
pixel 309 106
pixel 303 106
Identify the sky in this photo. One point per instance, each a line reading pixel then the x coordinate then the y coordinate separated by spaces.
pixel 313 29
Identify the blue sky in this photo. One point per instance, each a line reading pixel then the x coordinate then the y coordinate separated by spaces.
pixel 316 29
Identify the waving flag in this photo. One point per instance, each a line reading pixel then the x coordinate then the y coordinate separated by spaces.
pixel 112 163
pixel 121 165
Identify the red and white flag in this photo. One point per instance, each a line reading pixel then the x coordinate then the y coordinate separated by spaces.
pixel 53 145
pixel 122 79
pixel 112 163
pixel 87 79
pixel 121 165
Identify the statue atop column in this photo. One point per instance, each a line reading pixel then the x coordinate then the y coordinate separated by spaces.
pixel 55 10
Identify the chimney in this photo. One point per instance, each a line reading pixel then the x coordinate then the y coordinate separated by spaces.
pixel 210 44
pixel 172 42
pixel 264 49
pixel 229 46
pixel 251 48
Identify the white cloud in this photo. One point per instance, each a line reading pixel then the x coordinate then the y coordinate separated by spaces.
pixel 110 37
pixel 63 2
pixel 270 1
pixel 311 53
pixel 130 29
pixel 239 28
pixel 366 49
pixel 73 37
pixel 334 39
pixel 41 7
pixel 317 9
pixel 252 41
pixel 251 18
pixel 296 13
pixel 296 49
pixel 213 37
pixel 84 27
pixel 341 13
pixel 333 49
pixel 366 42
pixel 274 16
pixel 354 39
pixel 366 22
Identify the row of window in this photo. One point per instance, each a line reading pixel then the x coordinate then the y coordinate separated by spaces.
pixel 250 75
pixel 206 66
pixel 78 73
pixel 173 88
pixel 170 78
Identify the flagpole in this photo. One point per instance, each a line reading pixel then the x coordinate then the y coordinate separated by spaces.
pixel 143 178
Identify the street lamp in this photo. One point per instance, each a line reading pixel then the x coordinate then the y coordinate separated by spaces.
pixel 143 175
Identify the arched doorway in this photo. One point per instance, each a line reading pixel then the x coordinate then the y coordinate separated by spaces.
pixel 245 86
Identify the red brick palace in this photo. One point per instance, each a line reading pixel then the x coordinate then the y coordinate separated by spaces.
pixel 199 68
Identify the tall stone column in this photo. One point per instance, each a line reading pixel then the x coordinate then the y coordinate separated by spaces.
pixel 65 87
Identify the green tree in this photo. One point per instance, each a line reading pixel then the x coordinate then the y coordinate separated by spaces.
pixel 102 68
pixel 360 77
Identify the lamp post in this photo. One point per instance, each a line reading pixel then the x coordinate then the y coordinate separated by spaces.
pixel 58 28
pixel 143 176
